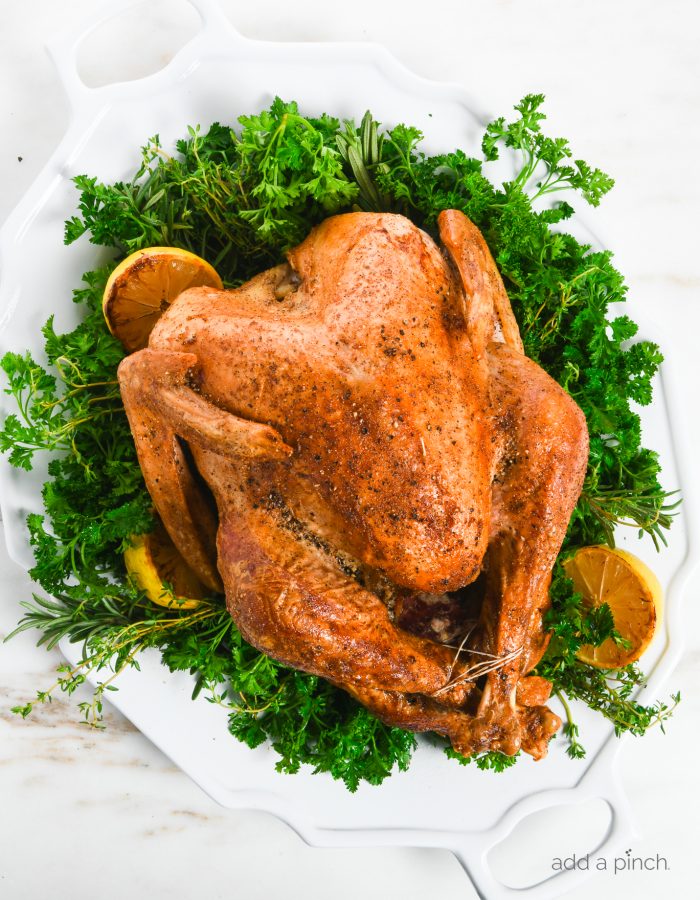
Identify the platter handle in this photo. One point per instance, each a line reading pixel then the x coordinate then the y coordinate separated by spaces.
pixel 215 30
pixel 474 855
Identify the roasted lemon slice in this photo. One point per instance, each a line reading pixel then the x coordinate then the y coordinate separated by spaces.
pixel 631 590
pixel 144 285
pixel 155 565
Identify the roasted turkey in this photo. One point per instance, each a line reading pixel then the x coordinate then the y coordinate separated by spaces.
pixel 355 449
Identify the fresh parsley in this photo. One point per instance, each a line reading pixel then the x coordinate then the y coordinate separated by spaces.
pixel 239 198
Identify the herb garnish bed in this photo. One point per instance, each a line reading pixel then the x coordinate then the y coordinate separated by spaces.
pixel 239 199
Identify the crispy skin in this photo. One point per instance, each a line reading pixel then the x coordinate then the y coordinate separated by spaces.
pixel 360 370
pixel 370 432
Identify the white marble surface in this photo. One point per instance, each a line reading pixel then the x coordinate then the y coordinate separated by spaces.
pixel 104 813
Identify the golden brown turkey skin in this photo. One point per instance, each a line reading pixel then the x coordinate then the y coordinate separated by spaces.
pixel 361 370
pixel 369 429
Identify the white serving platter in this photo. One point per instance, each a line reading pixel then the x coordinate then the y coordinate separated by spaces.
pixel 217 76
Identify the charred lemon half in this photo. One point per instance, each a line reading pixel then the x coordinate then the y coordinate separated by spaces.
pixel 144 285
pixel 157 568
pixel 633 593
